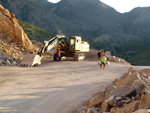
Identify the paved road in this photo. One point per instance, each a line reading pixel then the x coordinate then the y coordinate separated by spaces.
pixel 54 87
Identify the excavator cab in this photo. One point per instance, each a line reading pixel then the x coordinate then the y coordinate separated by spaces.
pixel 63 43
pixel 75 44
pixel 77 48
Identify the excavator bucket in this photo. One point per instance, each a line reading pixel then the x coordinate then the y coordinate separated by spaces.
pixel 31 60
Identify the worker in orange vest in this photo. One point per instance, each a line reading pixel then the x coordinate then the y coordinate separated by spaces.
pixel 58 54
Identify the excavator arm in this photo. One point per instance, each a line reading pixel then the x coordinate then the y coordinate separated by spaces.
pixel 48 45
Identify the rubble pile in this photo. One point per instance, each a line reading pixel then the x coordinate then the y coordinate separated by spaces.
pixel 117 59
pixel 8 61
pixel 127 94
pixel 10 52
pixel 92 56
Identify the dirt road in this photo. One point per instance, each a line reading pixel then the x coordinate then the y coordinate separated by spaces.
pixel 56 87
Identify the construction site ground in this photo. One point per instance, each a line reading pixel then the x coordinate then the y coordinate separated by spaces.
pixel 54 87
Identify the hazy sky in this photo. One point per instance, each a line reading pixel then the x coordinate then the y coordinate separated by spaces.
pixel 122 5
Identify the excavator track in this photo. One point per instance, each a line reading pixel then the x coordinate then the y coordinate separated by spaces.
pixel 79 56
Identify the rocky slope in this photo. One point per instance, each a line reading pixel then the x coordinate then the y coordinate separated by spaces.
pixel 127 94
pixel 13 40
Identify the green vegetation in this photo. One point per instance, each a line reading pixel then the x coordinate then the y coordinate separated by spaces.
pixel 132 50
pixel 34 32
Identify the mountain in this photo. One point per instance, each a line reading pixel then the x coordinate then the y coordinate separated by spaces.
pixel 140 24
pixel 90 16
pixel 125 35
pixel 94 16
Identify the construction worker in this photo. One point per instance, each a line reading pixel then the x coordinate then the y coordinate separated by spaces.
pixel 58 54
pixel 99 54
pixel 103 60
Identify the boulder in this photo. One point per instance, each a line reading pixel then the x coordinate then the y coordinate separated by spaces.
pixel 113 103
pixel 109 89
pixel 128 78
pixel 14 63
pixel 127 101
pixel 141 89
pixel 142 111
pixel 110 98
pixel 107 104
pixel 137 97
pixel 145 101
pixel 93 110
pixel 129 108
pixel 116 59
pixel 105 107
pixel 83 111
pixel 97 101
pixel 145 71
pixel 124 91
pixel 8 62
pixel 2 62
pixel 130 69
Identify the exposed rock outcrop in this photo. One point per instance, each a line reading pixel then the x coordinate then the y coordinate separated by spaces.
pixel 11 30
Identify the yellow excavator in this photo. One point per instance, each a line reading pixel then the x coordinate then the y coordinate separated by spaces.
pixel 74 47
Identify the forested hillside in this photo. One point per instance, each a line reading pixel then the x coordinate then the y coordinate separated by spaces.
pixel 125 35
pixel 34 32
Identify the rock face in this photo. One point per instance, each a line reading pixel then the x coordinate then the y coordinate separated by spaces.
pixel 11 30
pixel 14 42
pixel 127 94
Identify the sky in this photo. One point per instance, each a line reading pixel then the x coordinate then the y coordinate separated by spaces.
pixel 122 6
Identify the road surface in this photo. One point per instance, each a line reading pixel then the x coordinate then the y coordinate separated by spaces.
pixel 54 87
